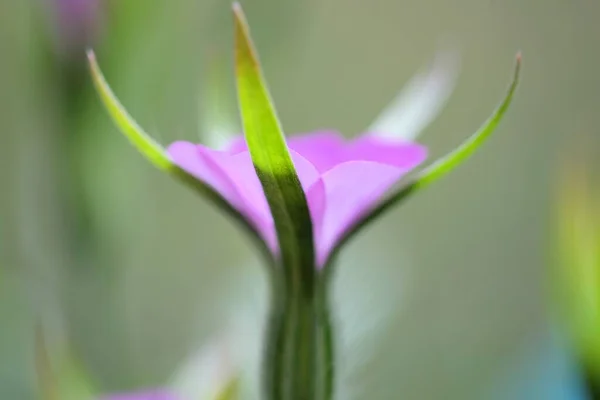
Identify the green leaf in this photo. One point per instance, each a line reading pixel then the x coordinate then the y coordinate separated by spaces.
pixel 157 155
pixel 439 168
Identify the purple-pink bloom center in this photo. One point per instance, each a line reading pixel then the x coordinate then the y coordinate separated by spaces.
pixel 342 179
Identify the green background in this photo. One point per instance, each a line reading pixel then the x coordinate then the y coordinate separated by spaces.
pixel 150 269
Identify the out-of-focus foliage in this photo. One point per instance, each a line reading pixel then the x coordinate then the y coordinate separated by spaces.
pixel 545 368
pixel 58 375
pixel 578 266
pixel 149 269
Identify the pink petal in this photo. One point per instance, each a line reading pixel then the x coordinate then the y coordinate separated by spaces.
pixel 403 155
pixel 240 172
pixel 150 395
pixel 316 197
pixel 351 189
pixel 324 149
pixel 231 176
pixel 237 145
pixel 188 157
pixel 310 178
pixel 234 177
pixel 342 180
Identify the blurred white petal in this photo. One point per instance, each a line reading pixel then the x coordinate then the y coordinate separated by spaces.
pixel 420 101
pixel 368 295
pixel 365 300
pixel 218 137
pixel 217 114
pixel 206 373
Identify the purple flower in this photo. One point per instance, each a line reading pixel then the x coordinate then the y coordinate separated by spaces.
pixel 147 395
pixel 77 23
pixel 302 197
pixel 342 179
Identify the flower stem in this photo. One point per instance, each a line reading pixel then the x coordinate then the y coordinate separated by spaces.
pixel 326 341
pixel 299 347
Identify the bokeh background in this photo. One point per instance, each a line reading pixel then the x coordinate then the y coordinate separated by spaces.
pixel 134 271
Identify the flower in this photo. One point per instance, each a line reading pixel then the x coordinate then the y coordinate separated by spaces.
pixel 77 23
pixel 302 198
pixel 320 188
pixel 342 179
pixel 209 374
pixel 146 395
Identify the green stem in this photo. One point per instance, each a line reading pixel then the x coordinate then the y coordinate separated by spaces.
pixel 299 347
pixel 326 341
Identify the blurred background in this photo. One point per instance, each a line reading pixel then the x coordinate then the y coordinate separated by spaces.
pixel 130 272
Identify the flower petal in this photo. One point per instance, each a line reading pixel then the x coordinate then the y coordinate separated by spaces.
pixel 324 149
pixel 160 157
pixel 420 101
pixel 240 172
pixel 346 200
pixel 400 154
pixel 234 177
pixel 186 156
pixel 149 395
pixel 237 145
pixel 316 197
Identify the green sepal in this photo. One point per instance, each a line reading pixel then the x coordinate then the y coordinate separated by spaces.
pixel 271 158
pixel 436 170
pixel 158 156
pixel 294 365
